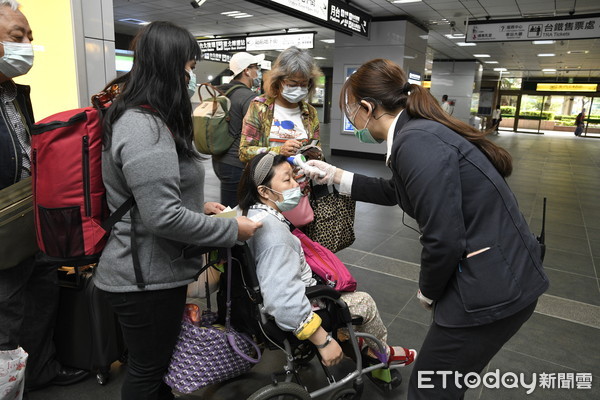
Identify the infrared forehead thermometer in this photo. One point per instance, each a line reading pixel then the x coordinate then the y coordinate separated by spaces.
pixel 299 161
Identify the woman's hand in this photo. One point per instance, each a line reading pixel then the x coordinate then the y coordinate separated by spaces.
pixel 290 148
pixel 247 228
pixel 331 354
pixel 332 174
pixel 212 207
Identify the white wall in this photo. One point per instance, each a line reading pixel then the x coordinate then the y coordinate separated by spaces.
pixel 457 79
pixel 94 37
pixel 392 40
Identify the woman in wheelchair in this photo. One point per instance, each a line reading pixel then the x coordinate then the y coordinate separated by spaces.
pixel 267 186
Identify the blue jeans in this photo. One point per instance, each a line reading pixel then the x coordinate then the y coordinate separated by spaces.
pixel 229 176
pixel 150 321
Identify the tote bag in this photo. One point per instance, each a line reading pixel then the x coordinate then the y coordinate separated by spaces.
pixel 333 225
pixel 207 353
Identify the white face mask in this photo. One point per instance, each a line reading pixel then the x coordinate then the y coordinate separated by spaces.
pixel 294 94
pixel 17 60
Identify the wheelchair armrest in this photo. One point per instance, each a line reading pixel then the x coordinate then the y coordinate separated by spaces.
pixel 322 291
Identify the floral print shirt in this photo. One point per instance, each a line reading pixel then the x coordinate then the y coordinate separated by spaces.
pixel 256 127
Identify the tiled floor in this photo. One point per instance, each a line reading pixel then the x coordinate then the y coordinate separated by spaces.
pixel 562 337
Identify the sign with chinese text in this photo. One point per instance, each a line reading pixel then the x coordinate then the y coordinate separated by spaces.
pixel 567 87
pixel 346 16
pixel 232 44
pixel 566 28
pixel 218 57
pixel 317 8
pixel 333 14
pixel 280 42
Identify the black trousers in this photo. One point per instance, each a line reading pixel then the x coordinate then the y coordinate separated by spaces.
pixel 150 321
pixel 229 176
pixel 461 350
pixel 28 307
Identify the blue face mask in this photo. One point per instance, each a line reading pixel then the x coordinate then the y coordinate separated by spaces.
pixel 192 83
pixel 291 198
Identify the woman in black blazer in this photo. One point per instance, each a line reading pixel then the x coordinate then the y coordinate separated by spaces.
pixel 481 267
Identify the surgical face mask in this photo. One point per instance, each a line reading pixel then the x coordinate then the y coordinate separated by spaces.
pixel 364 135
pixel 192 83
pixel 291 198
pixel 17 59
pixel 294 94
pixel 257 81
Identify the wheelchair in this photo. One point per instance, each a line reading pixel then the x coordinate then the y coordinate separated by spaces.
pixel 246 317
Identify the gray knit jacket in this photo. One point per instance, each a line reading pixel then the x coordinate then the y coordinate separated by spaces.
pixel 282 272
pixel 168 215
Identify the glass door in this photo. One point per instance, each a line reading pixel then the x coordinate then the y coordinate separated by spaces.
pixel 530 114
pixel 592 122
pixel 508 109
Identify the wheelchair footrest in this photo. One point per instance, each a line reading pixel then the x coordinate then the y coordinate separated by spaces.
pixel 386 379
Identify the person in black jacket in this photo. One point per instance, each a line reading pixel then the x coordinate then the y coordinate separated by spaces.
pixel 28 291
pixel 481 267
pixel 228 167
pixel 580 123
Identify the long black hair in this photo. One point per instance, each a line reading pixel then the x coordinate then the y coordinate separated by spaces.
pixel 157 83
pixel 248 189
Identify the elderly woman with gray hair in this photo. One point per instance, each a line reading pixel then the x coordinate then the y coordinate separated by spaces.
pixel 282 121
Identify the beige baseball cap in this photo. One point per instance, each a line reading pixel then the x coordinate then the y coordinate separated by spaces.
pixel 241 61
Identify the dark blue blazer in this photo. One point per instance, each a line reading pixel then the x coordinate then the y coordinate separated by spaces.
pixel 462 204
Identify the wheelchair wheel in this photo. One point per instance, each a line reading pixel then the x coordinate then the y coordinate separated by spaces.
pixel 281 391
pixel 345 394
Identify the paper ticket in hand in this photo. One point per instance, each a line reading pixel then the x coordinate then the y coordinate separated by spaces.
pixel 228 212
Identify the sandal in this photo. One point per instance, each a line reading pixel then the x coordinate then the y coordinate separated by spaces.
pixel 402 361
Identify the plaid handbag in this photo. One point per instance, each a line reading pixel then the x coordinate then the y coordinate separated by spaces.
pixel 208 353
pixel 333 225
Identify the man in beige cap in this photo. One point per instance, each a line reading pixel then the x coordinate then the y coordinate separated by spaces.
pixel 228 167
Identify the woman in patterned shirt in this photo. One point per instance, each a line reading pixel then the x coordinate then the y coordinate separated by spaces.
pixel 282 121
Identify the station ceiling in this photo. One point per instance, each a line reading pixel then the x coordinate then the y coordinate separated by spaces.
pixel 572 58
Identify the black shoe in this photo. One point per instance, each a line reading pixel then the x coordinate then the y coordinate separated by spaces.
pixel 68 376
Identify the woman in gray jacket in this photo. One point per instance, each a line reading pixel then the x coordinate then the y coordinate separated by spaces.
pixel 149 155
pixel 481 267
